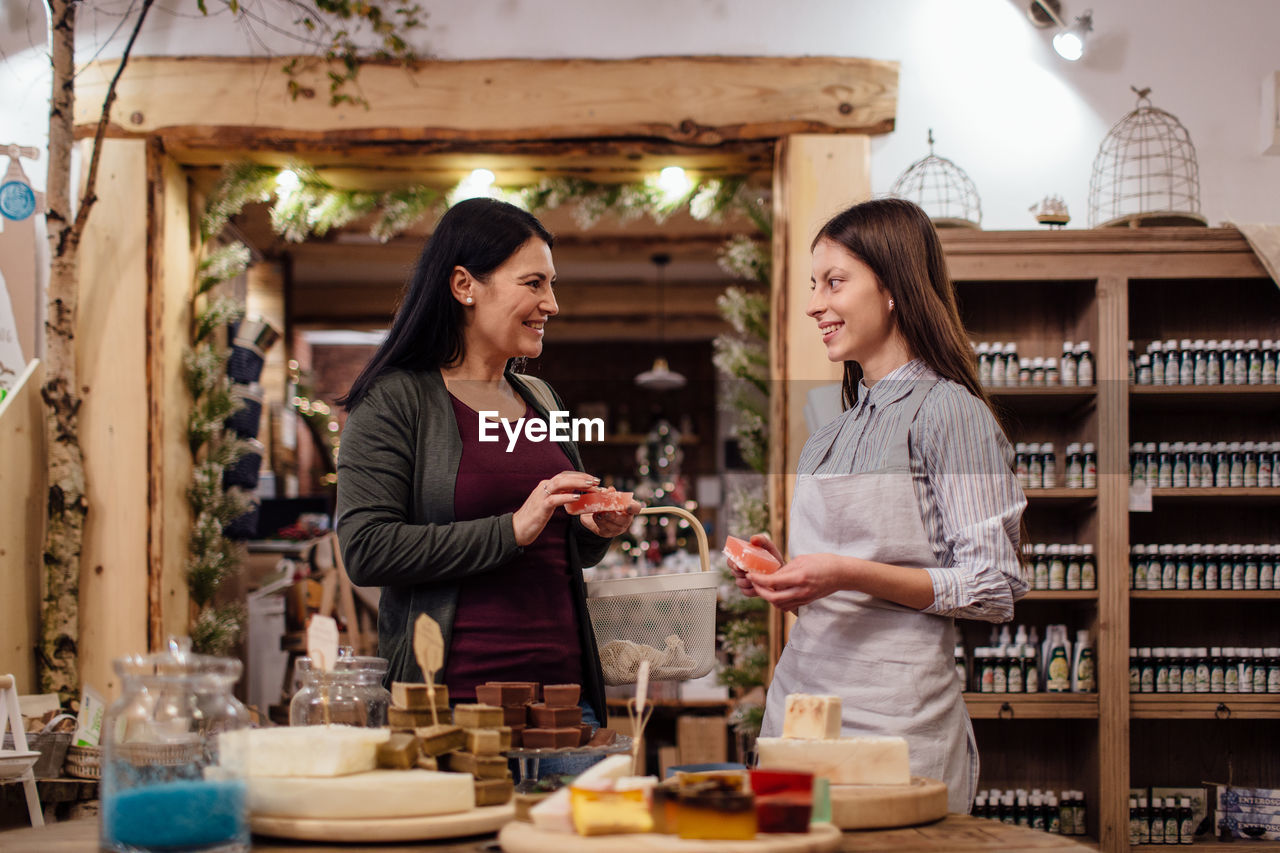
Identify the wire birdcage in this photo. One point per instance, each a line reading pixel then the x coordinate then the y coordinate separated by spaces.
pixel 942 189
pixel 1145 172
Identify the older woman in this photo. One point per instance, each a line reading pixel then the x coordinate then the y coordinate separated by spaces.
pixel 465 530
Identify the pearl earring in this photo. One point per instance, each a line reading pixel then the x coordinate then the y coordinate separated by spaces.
pixel 469 300
pixel 890 304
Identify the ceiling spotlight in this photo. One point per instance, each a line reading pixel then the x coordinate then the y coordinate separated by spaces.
pixel 674 183
pixel 287 181
pixel 1069 43
pixel 478 184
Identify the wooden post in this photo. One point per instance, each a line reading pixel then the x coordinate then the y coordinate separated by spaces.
pixel 815 176
pixel 1112 642
pixel 267 298
pixel 112 362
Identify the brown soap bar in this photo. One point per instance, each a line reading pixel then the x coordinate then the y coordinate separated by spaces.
pixel 437 740
pixel 503 693
pixel 561 694
pixel 517 735
pixel 479 766
pixel 585 731
pixel 515 715
pixel 549 717
pixel 493 792
pixel 550 738
pixel 484 741
pixel 404 718
pixel 413 697
pixel 426 762
pixel 603 737
pixel 477 716
pixel 504 738
pixel 399 752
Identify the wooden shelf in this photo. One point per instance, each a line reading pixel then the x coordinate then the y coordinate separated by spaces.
pixel 1061 595
pixel 1204 706
pixel 1206 594
pixel 1032 706
pixel 1062 495
pixel 1228 398
pixel 1251 495
pixel 1040 399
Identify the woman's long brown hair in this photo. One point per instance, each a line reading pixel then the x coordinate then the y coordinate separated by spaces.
pixel 896 239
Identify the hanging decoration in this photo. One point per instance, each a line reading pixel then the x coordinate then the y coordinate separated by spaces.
pixel 1146 172
pixel 942 189
pixel 20 306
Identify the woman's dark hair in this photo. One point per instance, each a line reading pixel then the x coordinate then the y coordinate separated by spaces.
pixel 479 235
pixel 895 238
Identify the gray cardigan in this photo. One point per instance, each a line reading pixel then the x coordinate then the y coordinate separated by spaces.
pixel 396 472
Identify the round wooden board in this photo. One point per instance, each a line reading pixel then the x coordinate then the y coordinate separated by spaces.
pixel 888 806
pixel 475 822
pixel 520 837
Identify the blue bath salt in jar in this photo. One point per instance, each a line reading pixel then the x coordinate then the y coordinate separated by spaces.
pixel 163 788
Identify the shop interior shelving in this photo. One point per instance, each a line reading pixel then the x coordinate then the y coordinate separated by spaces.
pixel 1110 286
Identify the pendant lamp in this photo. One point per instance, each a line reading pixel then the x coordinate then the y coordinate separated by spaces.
pixel 661 377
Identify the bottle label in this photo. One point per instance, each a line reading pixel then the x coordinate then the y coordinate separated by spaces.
pixel 1059 673
pixel 1186 832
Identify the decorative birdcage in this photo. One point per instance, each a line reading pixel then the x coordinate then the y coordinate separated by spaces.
pixel 1145 172
pixel 942 189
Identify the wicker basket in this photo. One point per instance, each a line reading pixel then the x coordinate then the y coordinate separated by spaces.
pixel 84 762
pixel 52 747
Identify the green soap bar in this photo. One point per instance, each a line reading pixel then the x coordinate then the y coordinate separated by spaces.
pixel 821 800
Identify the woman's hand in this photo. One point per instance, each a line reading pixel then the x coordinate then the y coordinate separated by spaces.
pixel 740 578
pixel 804 580
pixel 546 497
pixel 610 524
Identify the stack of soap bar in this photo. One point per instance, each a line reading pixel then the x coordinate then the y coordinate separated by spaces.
pixel 439 740
pixel 301 750
pixel 811 716
pixel 845 761
pixel 514 698
pixel 374 794
pixel 411 706
pixel 399 752
pixel 483 737
pixel 716 810
pixel 556 723
pixel 784 800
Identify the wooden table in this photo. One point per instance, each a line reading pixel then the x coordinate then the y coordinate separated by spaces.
pixel 954 833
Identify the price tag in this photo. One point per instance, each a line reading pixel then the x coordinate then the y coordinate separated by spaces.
pixel 322 642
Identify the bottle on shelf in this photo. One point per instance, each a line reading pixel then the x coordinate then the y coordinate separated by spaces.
pixel 1067 369
pixel 1084 364
pixel 1049 466
pixel 1090 462
pixel 1156 353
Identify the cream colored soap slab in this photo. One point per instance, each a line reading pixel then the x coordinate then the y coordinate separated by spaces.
pixel 376 794
pixel 308 751
pixel 810 716
pixel 844 761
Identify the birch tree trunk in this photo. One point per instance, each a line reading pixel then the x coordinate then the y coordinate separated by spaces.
pixel 67 507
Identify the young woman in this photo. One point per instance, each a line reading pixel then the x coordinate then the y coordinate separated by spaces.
pixel 906 511
pixel 452 526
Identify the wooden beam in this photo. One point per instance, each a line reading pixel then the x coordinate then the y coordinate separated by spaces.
pixel 694 100
pixel 23 497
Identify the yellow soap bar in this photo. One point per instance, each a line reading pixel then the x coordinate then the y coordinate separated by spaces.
pixel 609 812
pixel 718 816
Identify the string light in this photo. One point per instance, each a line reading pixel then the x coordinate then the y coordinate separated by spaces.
pixel 674 183
pixel 478 184
pixel 287 181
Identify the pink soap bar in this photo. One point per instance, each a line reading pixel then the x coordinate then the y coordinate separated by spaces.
pixel 749 558
pixel 602 500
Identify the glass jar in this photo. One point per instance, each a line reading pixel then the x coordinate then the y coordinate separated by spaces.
pixel 351 694
pixel 162 788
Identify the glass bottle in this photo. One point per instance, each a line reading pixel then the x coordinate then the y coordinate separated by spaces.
pixel 1090 464
pixel 162 786
pixel 1213 367
pixel 1164 474
pixel 1135 672
pixel 1170 821
pixel 1203 675
pixel 1144 821
pixel 1186 829
pixel 1068 364
pixel 1075 466
pixel 1253 368
pixel 1179 479
pixel 1037 371
pixel 1030 670
pixel 1197 565
pixel 1049 465
pixel 1156 354
pixel 984 363
pixel 1088 568
pixel 1187 363
pixel 1242 362
pixel 1269 356
pixel 1200 367
pixel 1188 670
pixel 1143 373
pixel 1084 364
pixel 350 694
pixel 1133 365
pixel 1021 466
pixel 997 364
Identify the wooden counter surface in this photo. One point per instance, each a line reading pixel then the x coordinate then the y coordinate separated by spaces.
pixel 955 833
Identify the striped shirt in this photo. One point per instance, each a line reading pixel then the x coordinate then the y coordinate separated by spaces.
pixel 961 467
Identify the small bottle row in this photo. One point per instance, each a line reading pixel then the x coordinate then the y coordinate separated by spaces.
pixel 1036 465
pixel 1045 811
pixel 1025 665
pixel 1221 464
pixel 1166 821
pixel 1000 366
pixel 1201 362
pixel 1196 566
pixel 1056 566
pixel 1204 670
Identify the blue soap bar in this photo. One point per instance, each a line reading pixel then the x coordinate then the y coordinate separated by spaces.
pixel 186 814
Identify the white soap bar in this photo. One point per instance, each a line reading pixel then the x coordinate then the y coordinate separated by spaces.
pixel 812 716
pixel 554 813
pixel 376 794
pixel 844 761
pixel 301 750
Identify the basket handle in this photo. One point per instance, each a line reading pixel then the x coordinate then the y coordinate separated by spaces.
pixel 703 551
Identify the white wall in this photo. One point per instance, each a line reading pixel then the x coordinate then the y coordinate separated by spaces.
pixel 1022 122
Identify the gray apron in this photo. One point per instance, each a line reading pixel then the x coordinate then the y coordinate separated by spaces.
pixel 892 666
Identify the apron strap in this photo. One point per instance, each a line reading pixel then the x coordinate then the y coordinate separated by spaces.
pixel 899 452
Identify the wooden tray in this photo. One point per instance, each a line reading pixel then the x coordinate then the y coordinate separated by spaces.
pixel 888 806
pixel 520 837
pixel 475 822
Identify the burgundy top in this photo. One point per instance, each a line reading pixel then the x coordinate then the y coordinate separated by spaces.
pixel 516 622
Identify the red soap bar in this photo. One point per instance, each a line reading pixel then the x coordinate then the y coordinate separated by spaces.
pixel 749 558
pixel 601 500
pixel 559 695
pixel 545 716
pixel 550 738
pixel 505 693
pixel 781 781
pixel 787 812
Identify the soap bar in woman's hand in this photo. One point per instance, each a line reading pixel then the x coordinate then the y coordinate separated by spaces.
pixel 601 500
pixel 750 558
